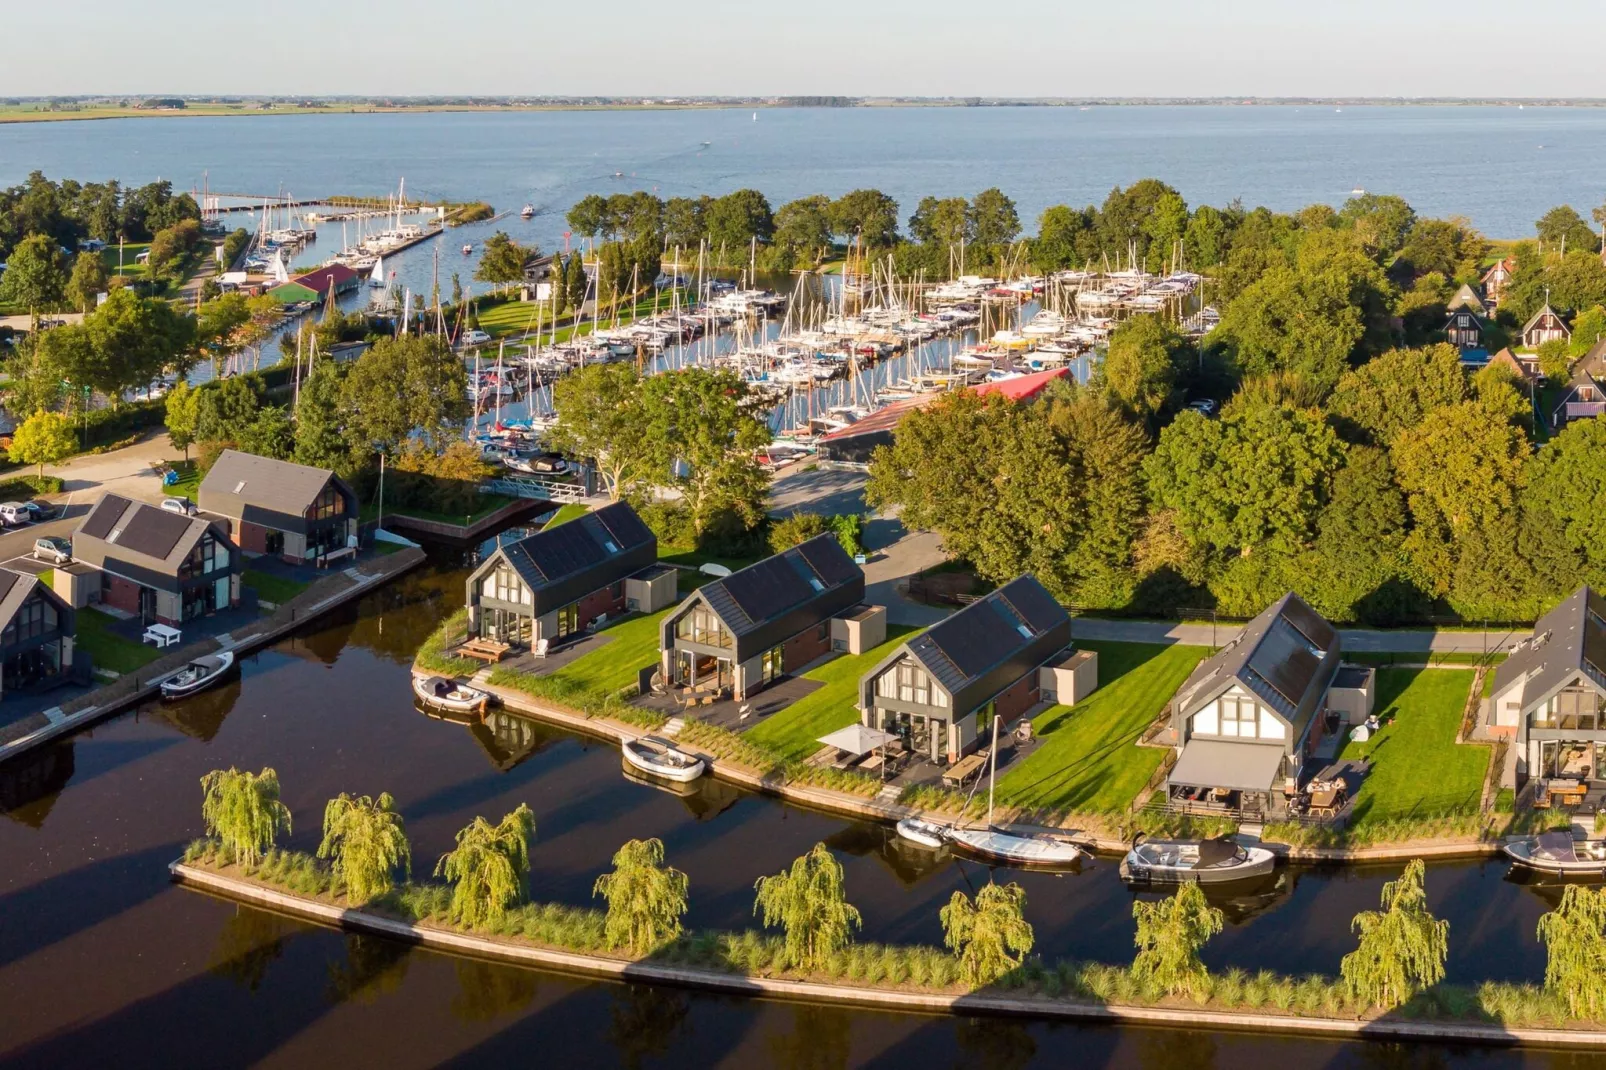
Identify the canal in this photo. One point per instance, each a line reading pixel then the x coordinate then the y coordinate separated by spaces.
pixel 99 954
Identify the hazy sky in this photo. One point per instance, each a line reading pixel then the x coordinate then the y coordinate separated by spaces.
pixel 916 47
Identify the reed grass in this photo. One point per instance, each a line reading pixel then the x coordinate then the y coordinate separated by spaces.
pixel 433 656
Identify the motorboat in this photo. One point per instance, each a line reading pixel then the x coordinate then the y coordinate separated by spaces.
pixel 200 673
pixel 467 248
pixel 925 833
pixel 527 212
pixel 1557 852
pixel 1017 847
pixel 1206 861
pixel 661 758
pixel 449 695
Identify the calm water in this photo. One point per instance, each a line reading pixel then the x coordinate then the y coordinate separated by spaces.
pixel 99 953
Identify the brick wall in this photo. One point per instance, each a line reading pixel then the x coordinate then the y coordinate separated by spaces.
pixel 120 593
pixel 1019 697
pixel 599 602
pixel 251 538
pixel 804 647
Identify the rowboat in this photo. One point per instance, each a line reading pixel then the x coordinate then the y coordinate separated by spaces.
pixel 444 694
pixel 661 758
pixel 201 672
pixel 1206 861
pixel 1557 852
pixel 1000 843
pixel 925 833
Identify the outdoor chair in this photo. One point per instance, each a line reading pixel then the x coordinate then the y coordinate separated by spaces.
pixel 743 713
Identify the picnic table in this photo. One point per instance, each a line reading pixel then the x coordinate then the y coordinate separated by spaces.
pixel 486 650
pixel 162 635
pixel 965 768
pixel 872 763
pixel 1326 798
pixel 1567 792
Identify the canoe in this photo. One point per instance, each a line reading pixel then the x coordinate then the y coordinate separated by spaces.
pixel 201 672
pixel 661 758
pixel 1206 861
pixel 1016 848
pixel 449 695
pixel 925 833
pixel 1557 852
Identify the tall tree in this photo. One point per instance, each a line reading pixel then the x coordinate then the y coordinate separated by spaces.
pixel 737 218
pixel 867 214
pixel 89 280
pixel 1392 393
pixel 990 934
pixel 1060 232
pixel 993 218
pixel 402 387
pixel 574 280
pixel 945 223
pixel 1358 543
pixel 225 410
pixel 320 439
pixel 489 868
pixel 1563 490
pixel 35 278
pixel 808 902
pixel 1169 937
pixel 242 809
pixel 269 434
pixel 1381 221
pixel 1563 225
pixel 804 226
pixel 589 217
pixel 685 221
pixel 1141 365
pixel 1402 947
pixel 137 339
pixel 367 840
pixel 43 438
pixel 502 259
pixel 1574 935
pixel 646 899
pixel 702 432
pixel 602 417
pixel 183 410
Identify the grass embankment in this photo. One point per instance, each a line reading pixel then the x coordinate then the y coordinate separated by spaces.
pixel 432 656
pixel 131 268
pixel 489 503
pixel 275 589
pixel 513 318
pixel 595 683
pixel 794 732
pixel 566 513
pixel 902 968
pixel 107 649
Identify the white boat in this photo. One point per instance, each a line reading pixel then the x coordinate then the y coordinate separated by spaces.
pixel 200 673
pixel 1557 852
pixel 1205 861
pixel 925 833
pixel 467 248
pixel 527 211
pixel 1015 847
pixel 444 694
pixel 661 758
pixel 377 279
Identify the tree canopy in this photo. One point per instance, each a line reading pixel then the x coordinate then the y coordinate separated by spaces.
pixel 1170 934
pixel 808 902
pixel 646 899
pixel 489 868
pixel 990 934
pixel 367 840
pixel 1402 947
pixel 242 809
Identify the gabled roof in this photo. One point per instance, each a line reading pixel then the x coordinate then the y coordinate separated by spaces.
pixel 141 534
pixel 1541 314
pixel 991 643
pixel 562 564
pixel 15 589
pixel 1502 267
pixel 1467 298
pixel 1286 657
pixel 769 602
pixel 238 480
pixel 1507 359
pixel 1568 640
pixel 337 275
pixel 1470 313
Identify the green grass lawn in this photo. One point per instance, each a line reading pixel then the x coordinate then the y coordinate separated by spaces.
pixel 110 651
pixel 1418 769
pixel 1088 760
pixel 588 680
pixel 275 589
pixel 131 250
pixel 566 513
pixel 489 503
pixel 189 482
pixel 795 731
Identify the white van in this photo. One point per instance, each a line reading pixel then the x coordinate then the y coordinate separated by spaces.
pixel 15 514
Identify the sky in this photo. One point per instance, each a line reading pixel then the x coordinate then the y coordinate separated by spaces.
pixel 1155 48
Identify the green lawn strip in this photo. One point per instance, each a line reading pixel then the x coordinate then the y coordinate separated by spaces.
pixel 590 680
pixel 1418 769
pixel 276 589
pixel 491 503
pixel 1088 760
pixel 189 482
pixel 110 651
pixel 131 251
pixel 566 513
pixel 795 731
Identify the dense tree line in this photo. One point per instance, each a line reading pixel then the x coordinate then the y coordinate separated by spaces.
pixel 69 211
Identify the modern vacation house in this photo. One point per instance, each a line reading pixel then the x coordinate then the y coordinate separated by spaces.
pixel 1248 717
pixel 286 510
pixel 1549 696
pixel 988 660
pixel 165 567
pixel 36 643
pixel 744 631
pixel 560 581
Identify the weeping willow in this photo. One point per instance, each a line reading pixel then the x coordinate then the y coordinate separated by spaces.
pixel 244 812
pixel 808 902
pixel 368 842
pixel 990 935
pixel 1170 934
pixel 646 899
pixel 1402 947
pixel 1575 939
pixel 488 868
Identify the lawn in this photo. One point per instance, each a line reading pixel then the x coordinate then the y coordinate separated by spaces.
pixel 110 651
pixel 795 731
pixel 276 589
pixel 189 482
pixel 589 680
pixel 489 503
pixel 1419 770
pixel 1088 760
pixel 567 513
pixel 131 250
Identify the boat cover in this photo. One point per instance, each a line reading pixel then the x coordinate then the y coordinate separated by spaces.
pixel 1215 852
pixel 1211 763
pixel 1555 846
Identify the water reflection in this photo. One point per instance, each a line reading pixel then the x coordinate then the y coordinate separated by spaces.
pixel 909 862
pixel 201 715
pixel 994 1043
pixel 249 942
pixel 821 1038
pixel 489 990
pixel 30 782
pixel 374 968
pixel 704 798
pixel 645 1021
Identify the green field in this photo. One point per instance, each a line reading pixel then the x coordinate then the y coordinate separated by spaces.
pixel 1088 760
pixel 1419 770
pixel 567 513
pixel 110 651
pixel 795 731
pixel 589 680
pixel 131 250
pixel 274 589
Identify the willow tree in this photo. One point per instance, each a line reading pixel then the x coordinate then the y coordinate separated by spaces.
pixel 990 935
pixel 1575 939
pixel 488 868
pixel 1170 934
pixel 368 842
pixel 243 811
pixel 1402 946
pixel 646 899
pixel 809 904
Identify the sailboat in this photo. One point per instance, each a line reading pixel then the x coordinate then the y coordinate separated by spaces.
pixel 1009 844
pixel 376 278
pixel 755 116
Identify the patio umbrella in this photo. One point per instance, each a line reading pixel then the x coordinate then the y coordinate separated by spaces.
pixel 857 739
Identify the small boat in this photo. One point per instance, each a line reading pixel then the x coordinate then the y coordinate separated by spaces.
pixel 449 695
pixel 925 833
pixel 661 758
pixel 200 673
pixel 527 212
pixel 1205 861
pixel 467 248
pixel 1001 843
pixel 1557 852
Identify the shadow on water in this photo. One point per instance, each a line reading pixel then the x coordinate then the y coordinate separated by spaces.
pixel 31 782
pixel 488 990
pixel 201 716
pixel 248 943
pixel 645 1021
pixel 374 967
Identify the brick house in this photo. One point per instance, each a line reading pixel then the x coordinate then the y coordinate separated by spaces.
pixel 558 582
pixel 161 566
pixel 287 510
pixel 985 661
pixel 744 631
pixel 1543 326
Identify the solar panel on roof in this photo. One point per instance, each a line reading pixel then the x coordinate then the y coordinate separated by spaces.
pixel 827 558
pixel 1035 605
pixel 152 531
pixel 8 580
pixel 1284 659
pixel 767 589
pixel 564 550
pixel 105 516
pixel 977 637
pixel 623 523
pixel 1309 623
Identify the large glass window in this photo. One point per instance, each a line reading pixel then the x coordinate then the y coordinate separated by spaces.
pixel 36 617
pixel 1238 716
pixel 504 585
pixel 329 504
pixel 208 555
pixel 1573 708
pixel 909 682
pixel 700 625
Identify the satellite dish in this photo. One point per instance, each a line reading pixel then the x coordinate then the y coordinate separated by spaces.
pixel 711 569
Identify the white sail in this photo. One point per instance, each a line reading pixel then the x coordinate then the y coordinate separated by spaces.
pixel 377 277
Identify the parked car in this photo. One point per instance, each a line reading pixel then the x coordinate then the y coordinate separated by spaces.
pixel 56 551
pixel 14 514
pixel 182 506
pixel 1203 406
pixel 474 338
pixel 42 510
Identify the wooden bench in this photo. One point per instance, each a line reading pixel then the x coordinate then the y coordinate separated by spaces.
pixel 487 650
